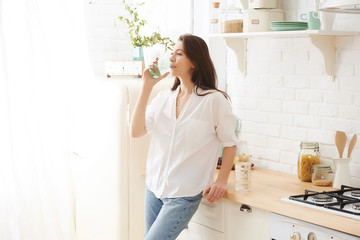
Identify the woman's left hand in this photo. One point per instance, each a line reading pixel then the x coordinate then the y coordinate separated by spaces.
pixel 218 189
pixel 215 191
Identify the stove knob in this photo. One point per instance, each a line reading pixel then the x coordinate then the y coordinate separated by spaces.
pixel 295 236
pixel 312 236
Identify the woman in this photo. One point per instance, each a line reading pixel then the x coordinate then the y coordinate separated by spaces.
pixel 187 124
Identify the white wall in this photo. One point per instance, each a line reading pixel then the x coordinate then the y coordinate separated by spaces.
pixel 287 98
pixel 105 40
pixel 109 42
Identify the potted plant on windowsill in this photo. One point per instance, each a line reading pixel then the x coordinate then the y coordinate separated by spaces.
pixel 134 24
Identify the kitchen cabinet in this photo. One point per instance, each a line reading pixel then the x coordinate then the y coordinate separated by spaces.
pixel 207 222
pixel 227 220
pixel 324 41
pixel 269 195
pixel 246 222
pixel 211 214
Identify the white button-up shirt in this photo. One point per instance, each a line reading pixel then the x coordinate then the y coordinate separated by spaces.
pixel 184 151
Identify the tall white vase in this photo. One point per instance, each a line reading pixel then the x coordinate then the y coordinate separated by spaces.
pixel 342 172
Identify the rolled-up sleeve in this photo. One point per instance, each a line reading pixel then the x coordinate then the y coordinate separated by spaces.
pixel 225 122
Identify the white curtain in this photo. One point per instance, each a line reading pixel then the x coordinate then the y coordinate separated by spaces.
pixel 43 66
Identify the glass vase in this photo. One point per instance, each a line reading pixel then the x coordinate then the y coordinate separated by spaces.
pixel 138 54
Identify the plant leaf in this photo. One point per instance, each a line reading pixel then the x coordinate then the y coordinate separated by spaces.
pixel 134 24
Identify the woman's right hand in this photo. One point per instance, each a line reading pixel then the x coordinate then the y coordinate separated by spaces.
pixel 138 127
pixel 148 81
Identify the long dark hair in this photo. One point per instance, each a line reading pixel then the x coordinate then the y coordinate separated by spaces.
pixel 204 74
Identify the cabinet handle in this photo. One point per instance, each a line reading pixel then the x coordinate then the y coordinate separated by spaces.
pixel 245 208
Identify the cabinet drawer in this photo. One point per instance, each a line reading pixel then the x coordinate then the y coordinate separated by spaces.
pixel 246 225
pixel 210 214
pixel 198 232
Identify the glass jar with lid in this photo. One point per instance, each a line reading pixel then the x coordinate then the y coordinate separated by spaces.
pixel 232 20
pixel 322 175
pixel 309 155
pixel 215 16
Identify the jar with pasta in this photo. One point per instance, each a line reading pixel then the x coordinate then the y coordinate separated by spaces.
pixel 309 155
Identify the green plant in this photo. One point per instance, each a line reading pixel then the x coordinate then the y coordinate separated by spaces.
pixel 134 24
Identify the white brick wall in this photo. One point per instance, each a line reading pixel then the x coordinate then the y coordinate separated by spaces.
pixel 286 97
pixel 105 41
pixel 109 42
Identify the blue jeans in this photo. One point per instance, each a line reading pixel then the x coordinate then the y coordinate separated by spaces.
pixel 165 218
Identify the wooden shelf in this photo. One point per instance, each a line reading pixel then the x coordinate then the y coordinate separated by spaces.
pixel 285 34
pixel 324 41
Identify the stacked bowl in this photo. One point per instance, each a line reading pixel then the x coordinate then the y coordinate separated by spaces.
pixel 288 26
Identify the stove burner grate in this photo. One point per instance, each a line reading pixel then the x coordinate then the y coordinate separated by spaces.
pixel 345 201
pixel 356 206
pixel 322 198
pixel 355 193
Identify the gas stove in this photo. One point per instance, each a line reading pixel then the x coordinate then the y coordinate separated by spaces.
pixel 344 202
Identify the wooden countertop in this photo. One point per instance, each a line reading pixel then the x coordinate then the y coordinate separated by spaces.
pixel 269 187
